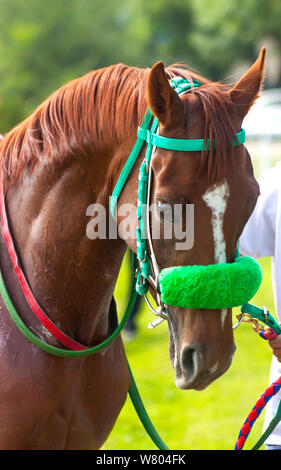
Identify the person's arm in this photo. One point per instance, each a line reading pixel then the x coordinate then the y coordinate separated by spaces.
pixel 258 237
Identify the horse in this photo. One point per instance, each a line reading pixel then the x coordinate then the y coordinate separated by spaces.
pixel 67 155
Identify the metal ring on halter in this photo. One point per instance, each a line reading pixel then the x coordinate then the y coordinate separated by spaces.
pixel 157 284
pixel 159 312
pixel 152 282
pixel 238 323
pixel 150 306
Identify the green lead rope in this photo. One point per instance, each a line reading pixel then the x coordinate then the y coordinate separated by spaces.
pixel 142 414
pixel 261 315
pixel 52 349
pixel 133 391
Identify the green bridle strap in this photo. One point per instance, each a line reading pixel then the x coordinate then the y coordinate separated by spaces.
pixel 147 133
pixel 128 166
pixel 184 145
pixel 180 85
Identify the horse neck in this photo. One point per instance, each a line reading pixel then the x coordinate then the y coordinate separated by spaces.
pixel 71 276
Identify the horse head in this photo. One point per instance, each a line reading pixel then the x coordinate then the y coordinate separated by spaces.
pixel 219 184
pixel 65 156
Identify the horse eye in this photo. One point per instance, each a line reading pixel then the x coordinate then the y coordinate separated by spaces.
pixel 165 211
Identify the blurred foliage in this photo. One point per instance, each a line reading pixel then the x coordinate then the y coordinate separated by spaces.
pixel 45 44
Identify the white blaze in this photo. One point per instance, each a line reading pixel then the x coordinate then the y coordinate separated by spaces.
pixel 216 199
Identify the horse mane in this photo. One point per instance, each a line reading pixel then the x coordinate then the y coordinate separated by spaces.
pixel 102 108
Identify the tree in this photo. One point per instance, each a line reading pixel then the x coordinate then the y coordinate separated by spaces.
pixel 45 44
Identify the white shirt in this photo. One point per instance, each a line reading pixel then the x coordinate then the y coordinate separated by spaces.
pixel 262 237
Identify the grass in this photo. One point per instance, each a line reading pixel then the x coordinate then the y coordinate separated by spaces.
pixel 207 420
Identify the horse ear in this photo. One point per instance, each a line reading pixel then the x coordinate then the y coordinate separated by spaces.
pixel 163 101
pixel 247 89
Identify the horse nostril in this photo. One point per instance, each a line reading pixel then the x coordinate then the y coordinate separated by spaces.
pixel 191 361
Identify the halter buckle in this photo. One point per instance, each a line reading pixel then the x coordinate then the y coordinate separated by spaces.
pixel 247 318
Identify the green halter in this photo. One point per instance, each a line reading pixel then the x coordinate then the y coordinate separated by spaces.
pixel 147 134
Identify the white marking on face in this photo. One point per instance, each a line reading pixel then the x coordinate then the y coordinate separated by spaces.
pixel 216 199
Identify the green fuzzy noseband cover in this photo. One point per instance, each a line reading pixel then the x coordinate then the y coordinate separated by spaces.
pixel 215 286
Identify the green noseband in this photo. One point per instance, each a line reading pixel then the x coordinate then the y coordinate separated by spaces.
pixel 215 286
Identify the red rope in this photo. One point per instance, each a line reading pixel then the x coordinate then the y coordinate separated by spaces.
pixel 62 337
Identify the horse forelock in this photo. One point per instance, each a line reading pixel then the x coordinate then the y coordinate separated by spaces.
pixel 218 127
pixel 102 108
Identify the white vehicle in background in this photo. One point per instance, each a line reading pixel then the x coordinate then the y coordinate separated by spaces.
pixel 264 118
pixel 263 129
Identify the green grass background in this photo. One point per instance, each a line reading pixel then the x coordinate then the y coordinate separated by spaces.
pixel 206 420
